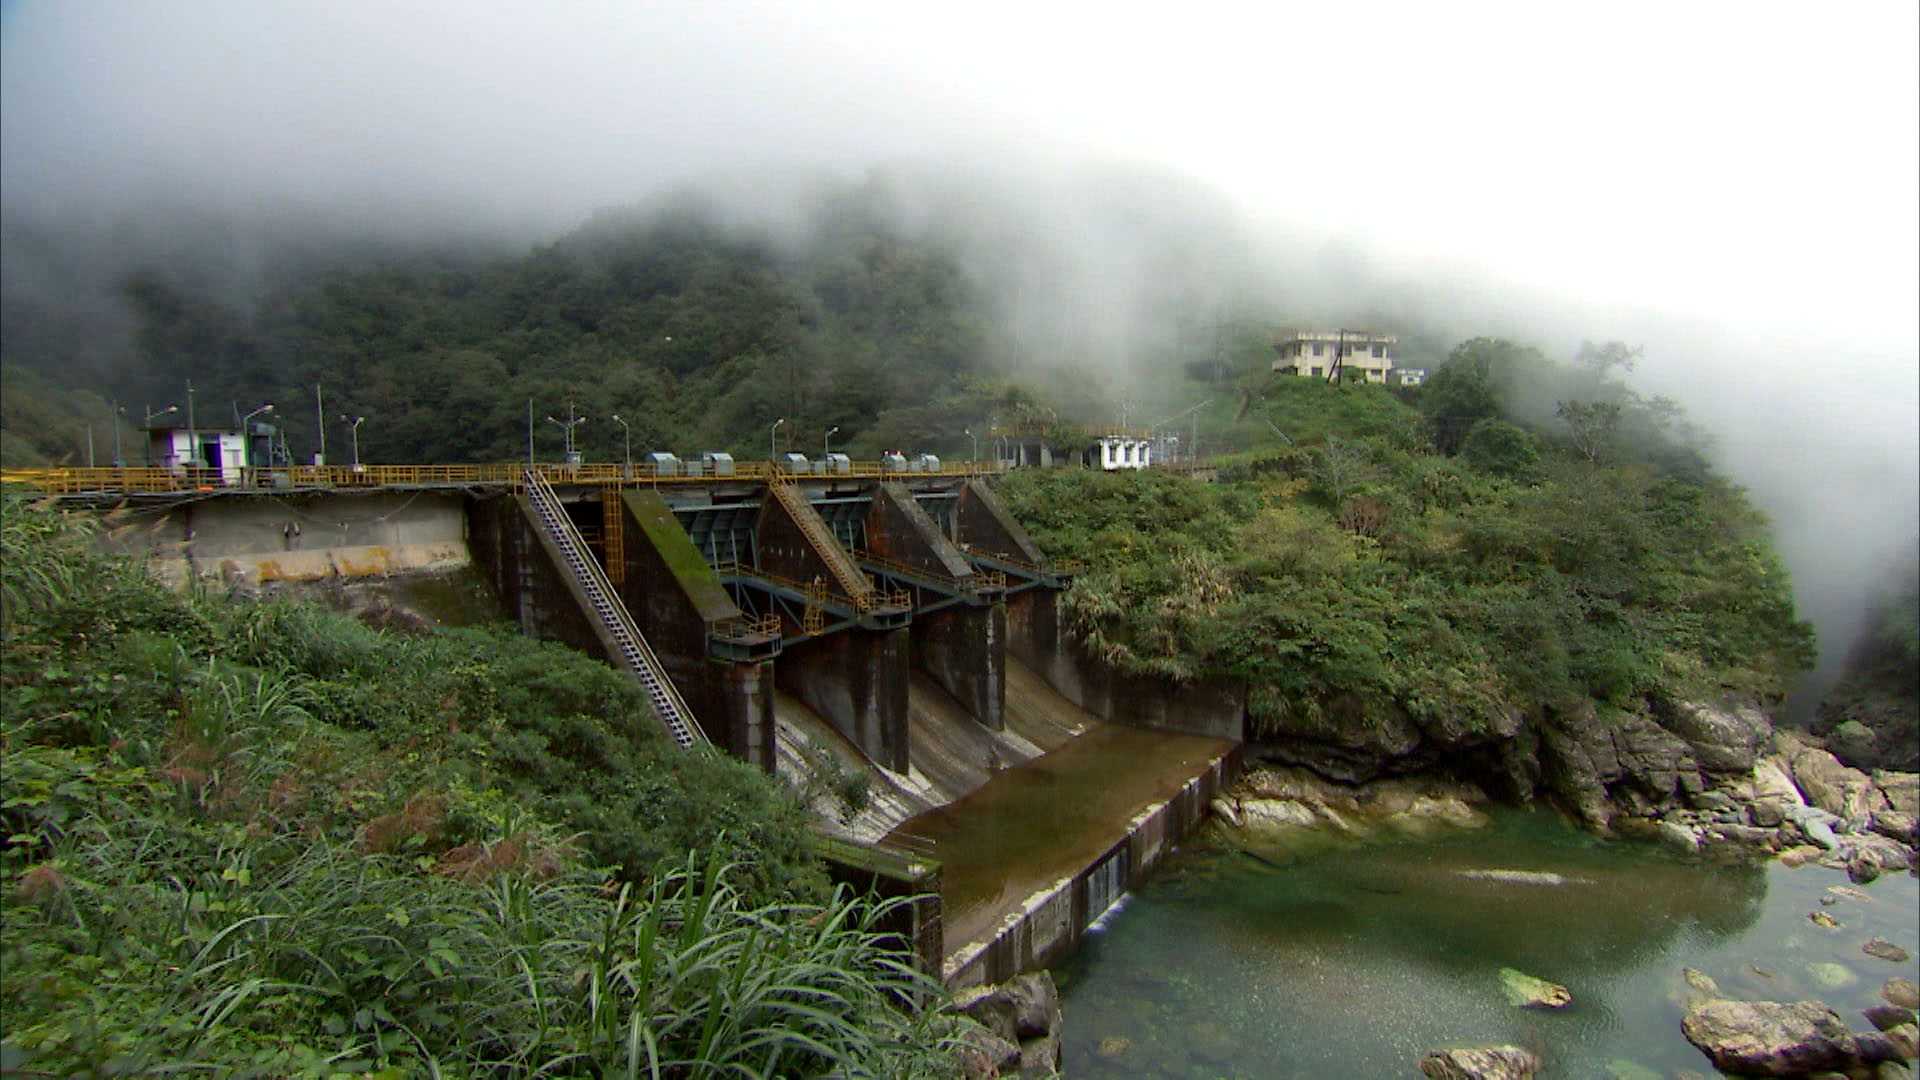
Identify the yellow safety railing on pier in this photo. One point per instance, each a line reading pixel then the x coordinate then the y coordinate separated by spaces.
pixel 154 481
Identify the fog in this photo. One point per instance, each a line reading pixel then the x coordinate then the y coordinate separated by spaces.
pixel 1733 186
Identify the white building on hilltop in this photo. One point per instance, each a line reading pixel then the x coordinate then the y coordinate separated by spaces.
pixel 1119 452
pixel 1314 354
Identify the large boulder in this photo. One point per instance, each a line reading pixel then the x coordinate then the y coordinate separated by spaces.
pixel 1655 759
pixel 1901 789
pixel 1480 1063
pixel 1722 738
pixel 1827 784
pixel 1769 1038
pixel 1023 1013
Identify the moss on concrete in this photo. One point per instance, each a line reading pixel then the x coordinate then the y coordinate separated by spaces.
pixel 678 555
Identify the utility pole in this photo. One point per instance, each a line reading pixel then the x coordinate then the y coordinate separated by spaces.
pixel 193 436
pixel 113 417
pixel 320 415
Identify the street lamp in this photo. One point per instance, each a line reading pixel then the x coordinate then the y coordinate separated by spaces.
pixel 246 444
pixel 567 426
pixel 149 425
pixel 353 425
pixel 826 442
pixel 626 439
pixel 968 432
pixel 772 452
pixel 113 417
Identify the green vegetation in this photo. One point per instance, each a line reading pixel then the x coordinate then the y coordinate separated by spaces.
pixel 264 839
pixel 1871 716
pixel 1573 548
pixel 698 334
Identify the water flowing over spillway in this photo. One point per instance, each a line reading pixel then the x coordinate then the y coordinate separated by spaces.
pixel 951 755
pixel 1356 960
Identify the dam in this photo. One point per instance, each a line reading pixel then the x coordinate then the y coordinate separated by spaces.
pixel 897 622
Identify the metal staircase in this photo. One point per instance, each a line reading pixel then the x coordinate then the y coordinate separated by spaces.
pixel 858 586
pixel 633 652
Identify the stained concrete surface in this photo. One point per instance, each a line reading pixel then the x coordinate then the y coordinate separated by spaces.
pixel 1049 818
pixel 951 754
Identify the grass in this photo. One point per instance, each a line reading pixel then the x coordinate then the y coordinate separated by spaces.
pixel 265 840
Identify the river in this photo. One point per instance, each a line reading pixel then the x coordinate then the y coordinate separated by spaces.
pixel 1354 961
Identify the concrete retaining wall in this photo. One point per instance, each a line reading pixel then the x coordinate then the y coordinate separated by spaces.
pixel 253 539
pixel 1053 920
pixel 1215 707
pixel 856 679
pixel 525 574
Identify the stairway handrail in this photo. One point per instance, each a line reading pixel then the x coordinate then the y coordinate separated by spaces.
pixel 857 585
pixel 677 718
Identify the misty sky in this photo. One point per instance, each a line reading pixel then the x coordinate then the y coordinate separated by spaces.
pixel 1756 162
pixel 1734 185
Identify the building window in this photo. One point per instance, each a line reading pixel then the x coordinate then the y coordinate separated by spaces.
pixel 1316 372
pixel 1316 352
pixel 1379 350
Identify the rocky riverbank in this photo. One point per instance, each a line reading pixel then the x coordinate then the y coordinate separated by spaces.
pixel 1714 783
pixel 1712 780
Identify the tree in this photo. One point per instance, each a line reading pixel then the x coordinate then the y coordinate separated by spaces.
pixel 1502 449
pixel 1591 425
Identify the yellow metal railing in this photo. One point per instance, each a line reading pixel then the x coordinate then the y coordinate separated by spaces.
pixel 747 626
pixel 980 579
pixel 76 481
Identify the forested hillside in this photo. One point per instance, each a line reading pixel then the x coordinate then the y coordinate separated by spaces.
pixel 698 335
pixel 697 328
pixel 1532 541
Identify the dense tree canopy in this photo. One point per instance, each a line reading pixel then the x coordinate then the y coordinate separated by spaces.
pixel 1359 572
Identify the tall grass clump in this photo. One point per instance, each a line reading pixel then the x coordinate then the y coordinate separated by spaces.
pixel 251 839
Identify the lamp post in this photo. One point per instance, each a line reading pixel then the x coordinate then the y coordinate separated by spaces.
pixel 772 451
pixel 353 427
pixel 826 442
pixel 626 442
pixel 193 435
pixel 246 444
pixel 149 428
pixel 113 417
pixel 567 426
pixel 968 432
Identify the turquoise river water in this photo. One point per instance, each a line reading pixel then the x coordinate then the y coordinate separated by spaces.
pixel 1353 962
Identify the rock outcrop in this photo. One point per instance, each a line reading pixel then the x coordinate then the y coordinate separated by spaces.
pixel 1480 1063
pixel 1275 803
pixel 1022 1013
pixel 1769 1038
pixel 1706 779
pixel 1799 1038
pixel 1530 992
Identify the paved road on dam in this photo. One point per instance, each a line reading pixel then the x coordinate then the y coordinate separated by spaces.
pixel 1046 819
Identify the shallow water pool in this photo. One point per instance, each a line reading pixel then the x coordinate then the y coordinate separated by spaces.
pixel 1355 961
